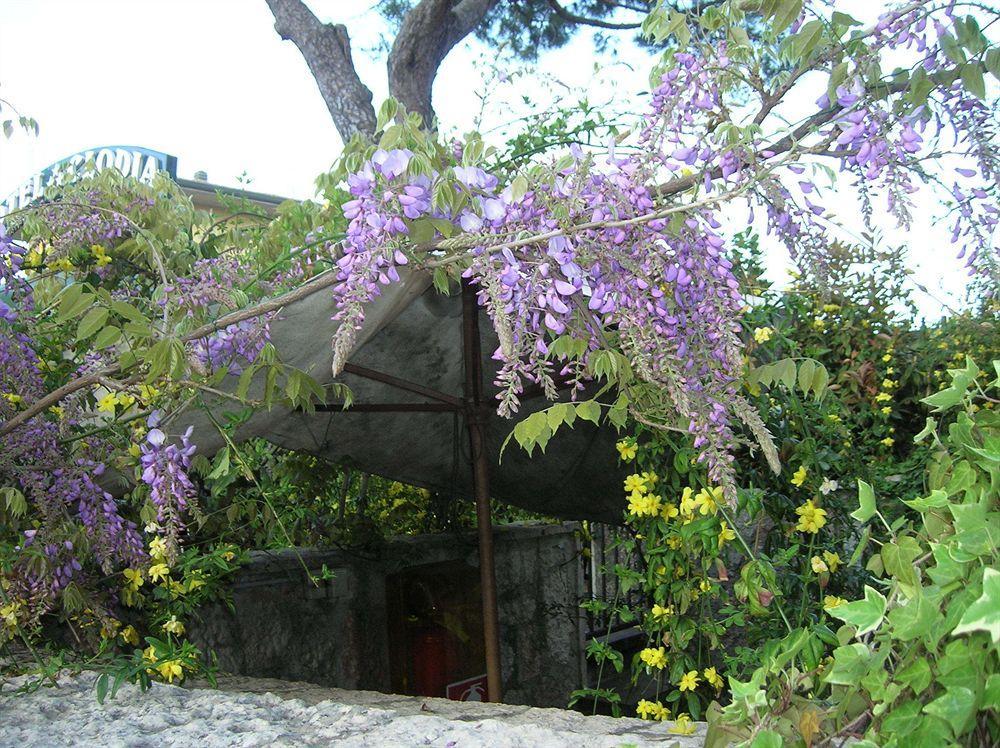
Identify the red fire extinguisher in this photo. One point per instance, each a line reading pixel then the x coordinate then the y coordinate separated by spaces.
pixel 430 660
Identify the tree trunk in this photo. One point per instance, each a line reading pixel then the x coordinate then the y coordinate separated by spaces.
pixel 327 51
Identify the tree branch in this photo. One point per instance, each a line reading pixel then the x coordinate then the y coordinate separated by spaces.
pixel 428 33
pixel 326 49
pixel 583 20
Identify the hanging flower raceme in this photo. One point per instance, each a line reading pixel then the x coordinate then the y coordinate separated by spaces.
pixel 165 470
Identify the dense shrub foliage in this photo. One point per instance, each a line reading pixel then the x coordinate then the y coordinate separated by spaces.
pixel 749 413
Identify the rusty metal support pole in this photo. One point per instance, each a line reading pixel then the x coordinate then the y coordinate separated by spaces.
pixel 474 414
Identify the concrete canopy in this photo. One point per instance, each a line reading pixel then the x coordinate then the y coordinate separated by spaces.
pixel 414 333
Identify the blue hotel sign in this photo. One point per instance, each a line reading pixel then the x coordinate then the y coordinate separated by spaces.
pixel 141 163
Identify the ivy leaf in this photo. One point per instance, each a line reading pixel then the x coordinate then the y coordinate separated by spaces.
pixel 865 615
pixel 767 739
pixel 849 663
pixel 984 613
pixel 866 502
pixel 955 707
pixel 916 675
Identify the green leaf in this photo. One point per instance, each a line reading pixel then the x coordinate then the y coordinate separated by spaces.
pixel 589 410
pixel 849 663
pixel 916 676
pixel 14 501
pixel 866 503
pixel 108 336
pixel 944 399
pixel 898 557
pixel 984 613
pixel 972 79
pixel 865 615
pixel 788 11
pixel 955 707
pixel 914 619
pixel 806 371
pixel 768 739
pixel 92 321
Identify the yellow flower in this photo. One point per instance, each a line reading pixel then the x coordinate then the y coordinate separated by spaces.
pixel 689 681
pixel 650 478
pixel 12 398
pixel 101 255
pixel 63 263
pixel 149 653
pixel 669 511
pixel 883 397
pixel 707 500
pixel 832 601
pixel 725 533
pixel 705 586
pixel 627 449
pixel 819 324
pixel 107 403
pixel 819 565
pixel 147 392
pixel 130 635
pixel 134 578
pixel 811 517
pixel 644 506
pixel 228 556
pixel 890 370
pixel 661 614
pixel 800 476
pixel 831 307
pixel 832 560
pixel 762 334
pixel 635 484
pixel 158 572
pixel 688 503
pixel 652 710
pixel 171 669
pixel 654 657
pixel 887 358
pixel 886 410
pixel 888 441
pixel 889 384
pixel 682 725
pixel 713 678
pixel 158 548
pixel 674 542
pixel 173 626
pixel 833 417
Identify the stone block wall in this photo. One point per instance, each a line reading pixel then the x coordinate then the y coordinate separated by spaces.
pixel 282 626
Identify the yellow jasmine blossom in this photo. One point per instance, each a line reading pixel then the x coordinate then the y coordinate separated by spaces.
pixel 762 334
pixel 705 586
pixel 689 681
pixel 669 511
pixel 12 398
pixel 819 565
pixel 635 484
pixel 101 255
pixel 158 547
pixel 832 560
pixel 171 669
pixel 130 635
pixel 149 653
pixel 688 502
pixel 646 709
pixel 887 358
pixel 713 678
pixel 883 397
pixel 888 441
pixel 811 517
pixel 63 263
pixel 654 657
pixel 158 572
pixel 833 417
pixel 627 449
pixel 682 725
pixel 831 307
pixel 725 533
pixel 890 370
pixel 134 578
pixel 661 613
pixel 819 324
pixel 886 410
pixel 889 384
pixel 707 500
pixel 644 506
pixel 674 542
pixel 650 478
pixel 832 601
pixel 228 556
pixel 800 476
pixel 107 403
pixel 173 626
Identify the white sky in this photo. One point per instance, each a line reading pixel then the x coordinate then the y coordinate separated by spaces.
pixel 210 82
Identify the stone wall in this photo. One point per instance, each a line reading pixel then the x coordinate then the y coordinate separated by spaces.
pixel 338 634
